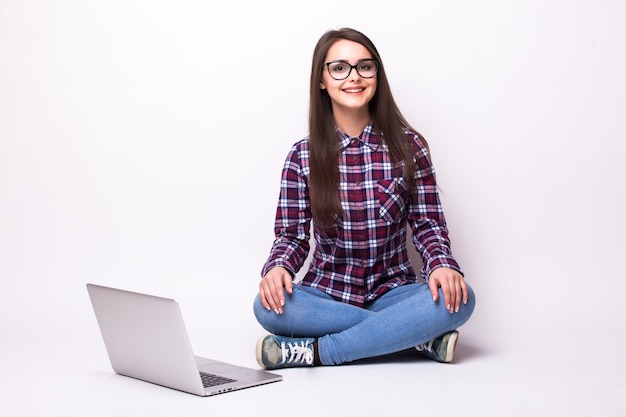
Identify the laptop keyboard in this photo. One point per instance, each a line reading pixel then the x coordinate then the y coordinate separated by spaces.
pixel 210 380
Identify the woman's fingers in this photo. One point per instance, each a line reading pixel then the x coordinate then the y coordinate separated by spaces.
pixel 452 286
pixel 272 289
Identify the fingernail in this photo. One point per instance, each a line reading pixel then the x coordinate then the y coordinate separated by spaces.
pixel 456 310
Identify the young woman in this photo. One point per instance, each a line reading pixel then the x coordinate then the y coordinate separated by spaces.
pixel 361 176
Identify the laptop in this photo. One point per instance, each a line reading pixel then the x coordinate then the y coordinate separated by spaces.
pixel 146 339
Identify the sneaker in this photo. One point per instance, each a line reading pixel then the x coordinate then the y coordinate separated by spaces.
pixel 274 352
pixel 440 349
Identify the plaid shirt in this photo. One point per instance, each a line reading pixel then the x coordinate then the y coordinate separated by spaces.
pixel 365 254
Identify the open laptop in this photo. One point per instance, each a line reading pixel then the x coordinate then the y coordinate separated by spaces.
pixel 146 338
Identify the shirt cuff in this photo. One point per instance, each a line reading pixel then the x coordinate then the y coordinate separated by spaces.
pixel 277 262
pixel 440 261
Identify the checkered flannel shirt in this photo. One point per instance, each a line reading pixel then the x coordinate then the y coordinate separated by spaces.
pixel 365 254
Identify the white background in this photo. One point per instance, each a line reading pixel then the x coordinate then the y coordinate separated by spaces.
pixel 141 144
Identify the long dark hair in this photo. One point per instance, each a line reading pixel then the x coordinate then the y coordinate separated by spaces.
pixel 388 123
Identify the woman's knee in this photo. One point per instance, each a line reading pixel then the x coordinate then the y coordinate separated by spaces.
pixel 466 310
pixel 260 312
pixel 471 299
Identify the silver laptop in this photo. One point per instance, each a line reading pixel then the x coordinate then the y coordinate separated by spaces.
pixel 146 338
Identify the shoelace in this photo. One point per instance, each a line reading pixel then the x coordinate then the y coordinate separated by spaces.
pixel 296 353
pixel 428 346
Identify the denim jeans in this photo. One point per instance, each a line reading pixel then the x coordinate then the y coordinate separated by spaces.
pixel 402 318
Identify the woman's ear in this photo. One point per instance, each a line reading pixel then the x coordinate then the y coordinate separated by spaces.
pixel 322 86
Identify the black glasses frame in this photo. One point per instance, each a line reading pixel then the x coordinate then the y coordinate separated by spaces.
pixel 352 67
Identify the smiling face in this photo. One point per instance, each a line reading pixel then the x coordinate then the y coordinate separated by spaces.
pixel 352 94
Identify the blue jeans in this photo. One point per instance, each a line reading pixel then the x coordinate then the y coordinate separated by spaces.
pixel 402 318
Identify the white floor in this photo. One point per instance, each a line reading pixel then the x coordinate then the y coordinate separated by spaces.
pixel 62 370
pixel 122 125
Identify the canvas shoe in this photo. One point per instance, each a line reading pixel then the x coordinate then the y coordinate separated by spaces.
pixel 440 349
pixel 273 352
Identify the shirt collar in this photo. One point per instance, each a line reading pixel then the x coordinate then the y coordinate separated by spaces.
pixel 367 137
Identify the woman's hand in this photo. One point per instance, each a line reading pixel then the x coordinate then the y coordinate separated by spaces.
pixel 452 285
pixel 271 289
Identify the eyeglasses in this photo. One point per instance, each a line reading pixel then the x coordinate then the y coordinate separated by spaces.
pixel 340 70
